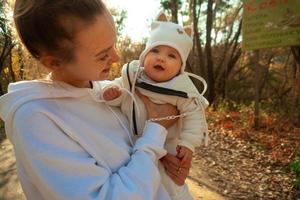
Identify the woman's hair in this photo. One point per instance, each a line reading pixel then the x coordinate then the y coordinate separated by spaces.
pixel 50 25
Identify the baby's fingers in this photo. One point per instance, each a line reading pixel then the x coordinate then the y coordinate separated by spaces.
pixel 116 92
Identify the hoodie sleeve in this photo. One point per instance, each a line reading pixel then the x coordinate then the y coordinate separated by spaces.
pixel 194 126
pixel 61 169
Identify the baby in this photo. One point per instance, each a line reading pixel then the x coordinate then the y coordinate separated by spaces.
pixel 159 74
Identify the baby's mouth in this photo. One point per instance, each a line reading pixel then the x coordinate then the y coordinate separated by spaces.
pixel 158 67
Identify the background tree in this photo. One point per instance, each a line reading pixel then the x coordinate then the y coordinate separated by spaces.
pixel 6 45
pixel 172 7
pixel 119 17
pixel 294 96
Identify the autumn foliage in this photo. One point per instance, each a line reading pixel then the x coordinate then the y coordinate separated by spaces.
pixel 276 134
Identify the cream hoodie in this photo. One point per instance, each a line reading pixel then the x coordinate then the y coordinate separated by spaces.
pixel 69 145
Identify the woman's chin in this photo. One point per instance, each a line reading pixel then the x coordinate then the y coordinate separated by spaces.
pixel 103 76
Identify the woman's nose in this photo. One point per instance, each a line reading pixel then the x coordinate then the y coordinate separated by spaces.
pixel 114 56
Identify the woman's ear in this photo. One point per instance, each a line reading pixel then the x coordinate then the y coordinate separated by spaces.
pixel 161 17
pixel 188 30
pixel 50 62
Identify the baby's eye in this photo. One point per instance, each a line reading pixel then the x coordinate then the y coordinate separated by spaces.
pixel 154 50
pixel 172 56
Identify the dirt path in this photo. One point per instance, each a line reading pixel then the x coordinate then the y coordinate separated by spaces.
pixel 10 188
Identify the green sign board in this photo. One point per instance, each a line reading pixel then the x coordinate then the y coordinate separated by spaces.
pixel 270 23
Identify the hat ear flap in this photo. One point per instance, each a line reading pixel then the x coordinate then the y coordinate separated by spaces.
pixel 188 30
pixel 161 17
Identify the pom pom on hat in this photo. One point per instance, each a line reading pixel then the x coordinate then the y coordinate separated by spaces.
pixel 170 34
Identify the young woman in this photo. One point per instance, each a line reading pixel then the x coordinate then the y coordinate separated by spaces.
pixel 68 144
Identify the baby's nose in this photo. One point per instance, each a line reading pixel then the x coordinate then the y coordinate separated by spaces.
pixel 160 58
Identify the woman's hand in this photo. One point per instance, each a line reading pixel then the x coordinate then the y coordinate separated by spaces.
pixel 184 154
pixel 175 169
pixel 159 110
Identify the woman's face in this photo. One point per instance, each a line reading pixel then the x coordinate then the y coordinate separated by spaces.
pixel 93 55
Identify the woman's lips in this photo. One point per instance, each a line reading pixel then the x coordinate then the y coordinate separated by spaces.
pixel 106 70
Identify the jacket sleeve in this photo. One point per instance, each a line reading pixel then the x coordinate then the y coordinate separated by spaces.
pixel 194 126
pixel 61 169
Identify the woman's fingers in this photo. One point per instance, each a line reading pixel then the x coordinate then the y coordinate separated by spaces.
pixel 176 179
pixel 174 169
pixel 173 160
pixel 170 165
pixel 187 160
pixel 177 174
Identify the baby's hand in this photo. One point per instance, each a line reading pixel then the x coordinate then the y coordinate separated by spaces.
pixel 185 154
pixel 111 93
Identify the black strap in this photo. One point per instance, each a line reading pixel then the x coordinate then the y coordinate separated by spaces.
pixel 133 110
pixel 161 90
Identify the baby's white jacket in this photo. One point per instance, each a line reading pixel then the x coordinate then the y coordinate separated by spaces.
pixel 191 131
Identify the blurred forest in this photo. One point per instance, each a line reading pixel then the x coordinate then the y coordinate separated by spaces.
pixel 269 76
pixel 254 95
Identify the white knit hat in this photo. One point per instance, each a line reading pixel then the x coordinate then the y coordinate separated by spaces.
pixel 170 34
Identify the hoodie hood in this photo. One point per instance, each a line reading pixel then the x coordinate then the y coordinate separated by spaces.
pixel 22 92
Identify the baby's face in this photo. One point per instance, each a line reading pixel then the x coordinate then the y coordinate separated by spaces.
pixel 162 63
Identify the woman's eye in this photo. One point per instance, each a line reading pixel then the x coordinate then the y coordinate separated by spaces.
pixel 103 58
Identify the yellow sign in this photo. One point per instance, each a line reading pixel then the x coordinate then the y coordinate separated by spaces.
pixel 270 23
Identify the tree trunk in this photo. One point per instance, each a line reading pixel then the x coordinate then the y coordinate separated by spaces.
pixel 295 93
pixel 174 11
pixel 20 63
pixel 196 62
pixel 173 7
pixel 12 73
pixel 257 93
pixel 210 66
pixel 200 65
pixel 3 53
pixel 1 90
pixel 225 68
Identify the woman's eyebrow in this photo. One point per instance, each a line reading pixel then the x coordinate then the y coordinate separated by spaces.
pixel 103 51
